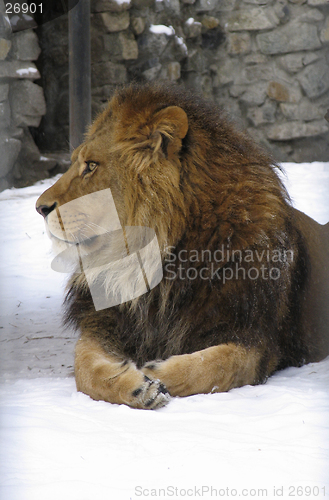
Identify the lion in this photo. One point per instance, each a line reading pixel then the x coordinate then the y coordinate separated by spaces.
pixel 245 276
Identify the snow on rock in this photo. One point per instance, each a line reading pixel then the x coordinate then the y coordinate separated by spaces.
pixel 121 2
pixel 26 71
pixel 161 28
pixel 190 21
pixel 180 43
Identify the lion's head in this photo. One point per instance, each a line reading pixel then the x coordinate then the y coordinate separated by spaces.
pixel 132 153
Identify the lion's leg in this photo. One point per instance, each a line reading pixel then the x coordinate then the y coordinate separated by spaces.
pixel 215 369
pixel 105 377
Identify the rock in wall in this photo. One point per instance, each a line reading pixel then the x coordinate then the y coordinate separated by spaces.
pixel 265 61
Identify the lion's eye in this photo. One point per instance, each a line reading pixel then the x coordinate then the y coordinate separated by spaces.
pixel 90 166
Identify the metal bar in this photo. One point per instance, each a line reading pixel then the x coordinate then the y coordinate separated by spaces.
pixel 79 71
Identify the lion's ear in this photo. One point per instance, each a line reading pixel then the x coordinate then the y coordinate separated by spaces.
pixel 173 118
pixel 170 126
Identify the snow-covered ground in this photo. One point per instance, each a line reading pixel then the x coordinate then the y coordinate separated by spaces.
pixel 269 441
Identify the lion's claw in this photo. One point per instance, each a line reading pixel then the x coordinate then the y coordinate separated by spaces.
pixel 150 395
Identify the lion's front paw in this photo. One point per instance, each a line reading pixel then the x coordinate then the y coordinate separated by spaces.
pixel 176 373
pixel 103 377
pixel 150 395
pixel 168 372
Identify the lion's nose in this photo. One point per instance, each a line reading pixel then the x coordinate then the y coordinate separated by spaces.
pixel 45 210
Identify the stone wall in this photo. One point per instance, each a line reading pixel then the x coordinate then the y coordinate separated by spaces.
pixel 265 61
pixel 22 105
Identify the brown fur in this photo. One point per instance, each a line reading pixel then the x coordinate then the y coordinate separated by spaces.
pixel 175 164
